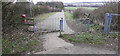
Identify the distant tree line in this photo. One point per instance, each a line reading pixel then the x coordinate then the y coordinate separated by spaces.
pixel 52 4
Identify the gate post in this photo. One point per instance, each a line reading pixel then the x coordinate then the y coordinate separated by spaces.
pixel 110 22
pixel 106 23
pixel 61 25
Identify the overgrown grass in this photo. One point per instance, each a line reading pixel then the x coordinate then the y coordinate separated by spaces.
pixel 89 37
pixel 21 44
pixel 68 15
pixel 19 41
pixel 91 26
pixel 74 8
pixel 94 26
pixel 43 16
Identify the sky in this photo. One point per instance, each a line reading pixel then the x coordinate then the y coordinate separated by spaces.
pixel 69 1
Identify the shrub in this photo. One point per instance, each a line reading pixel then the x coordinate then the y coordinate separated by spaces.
pixel 80 12
pixel 98 15
pixel 11 13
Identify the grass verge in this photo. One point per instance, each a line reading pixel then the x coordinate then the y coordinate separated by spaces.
pixel 19 41
pixel 68 15
pixel 89 37
pixel 17 46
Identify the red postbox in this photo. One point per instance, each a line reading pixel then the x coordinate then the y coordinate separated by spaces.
pixel 23 16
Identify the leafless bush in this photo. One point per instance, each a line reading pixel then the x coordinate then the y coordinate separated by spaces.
pixel 80 13
pixel 98 15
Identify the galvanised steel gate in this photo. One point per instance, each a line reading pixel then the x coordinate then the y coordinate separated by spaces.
pixel 107 24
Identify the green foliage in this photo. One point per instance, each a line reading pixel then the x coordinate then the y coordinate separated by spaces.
pixel 80 13
pixel 98 15
pixel 89 37
pixel 19 45
pixel 39 10
pixel 12 12
pixel 16 37
pixel 94 26
pixel 58 5
pixel 114 35
pixel 74 40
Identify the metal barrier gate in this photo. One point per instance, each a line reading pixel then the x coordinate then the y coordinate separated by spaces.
pixel 108 18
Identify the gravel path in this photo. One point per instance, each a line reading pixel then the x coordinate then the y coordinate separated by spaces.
pixel 55 45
